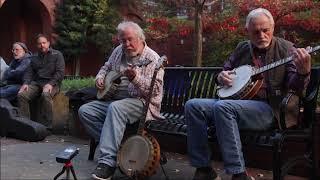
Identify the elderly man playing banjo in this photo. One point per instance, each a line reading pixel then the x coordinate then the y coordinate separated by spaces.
pixel 106 120
pixel 229 115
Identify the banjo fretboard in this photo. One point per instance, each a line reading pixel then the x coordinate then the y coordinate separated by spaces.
pixel 280 62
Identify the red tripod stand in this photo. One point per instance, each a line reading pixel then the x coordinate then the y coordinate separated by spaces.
pixel 66 168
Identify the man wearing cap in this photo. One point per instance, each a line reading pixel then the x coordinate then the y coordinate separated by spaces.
pixel 42 78
pixel 14 73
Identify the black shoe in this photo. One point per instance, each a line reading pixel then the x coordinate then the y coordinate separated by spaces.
pixel 119 175
pixel 242 176
pixel 206 173
pixel 103 172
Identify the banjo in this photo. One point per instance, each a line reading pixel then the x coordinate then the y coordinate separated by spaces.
pixel 139 155
pixel 244 86
pixel 112 81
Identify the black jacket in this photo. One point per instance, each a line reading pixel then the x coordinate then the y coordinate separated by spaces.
pixel 46 69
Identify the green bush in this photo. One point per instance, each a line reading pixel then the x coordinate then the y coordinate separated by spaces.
pixel 78 83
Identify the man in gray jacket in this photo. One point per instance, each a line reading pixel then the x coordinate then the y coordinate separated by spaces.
pixel 43 77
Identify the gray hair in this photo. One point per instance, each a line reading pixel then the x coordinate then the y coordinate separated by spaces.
pixel 258 12
pixel 125 24
pixel 21 44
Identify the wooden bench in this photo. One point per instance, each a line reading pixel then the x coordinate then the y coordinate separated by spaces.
pixel 184 83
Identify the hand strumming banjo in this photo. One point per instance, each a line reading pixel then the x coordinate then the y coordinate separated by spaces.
pixel 139 155
pixel 112 81
pixel 244 87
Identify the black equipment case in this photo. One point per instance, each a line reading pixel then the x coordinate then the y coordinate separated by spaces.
pixel 14 125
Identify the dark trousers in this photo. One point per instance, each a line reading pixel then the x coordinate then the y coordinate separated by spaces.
pixel 9 92
pixel 34 92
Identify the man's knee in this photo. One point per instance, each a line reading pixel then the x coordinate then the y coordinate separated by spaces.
pixel 220 106
pixel 115 107
pixel 82 110
pixel 46 96
pixel 23 96
pixel 85 113
pixel 191 104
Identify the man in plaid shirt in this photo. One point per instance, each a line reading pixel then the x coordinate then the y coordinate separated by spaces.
pixel 106 120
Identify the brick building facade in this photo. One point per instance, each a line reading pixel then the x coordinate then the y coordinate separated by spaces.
pixel 22 20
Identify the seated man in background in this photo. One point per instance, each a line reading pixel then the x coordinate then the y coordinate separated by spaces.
pixel 3 68
pixel 106 120
pixel 42 78
pixel 13 75
pixel 227 115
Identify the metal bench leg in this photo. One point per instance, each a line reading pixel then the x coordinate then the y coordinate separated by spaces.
pixel 93 147
pixel 276 162
pixel 315 155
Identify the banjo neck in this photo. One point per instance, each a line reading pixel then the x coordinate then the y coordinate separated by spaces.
pixel 280 62
pixel 142 122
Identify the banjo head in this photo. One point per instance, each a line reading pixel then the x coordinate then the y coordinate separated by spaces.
pixel 134 154
pixel 109 85
pixel 241 78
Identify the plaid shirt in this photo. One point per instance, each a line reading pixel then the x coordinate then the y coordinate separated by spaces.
pixel 139 86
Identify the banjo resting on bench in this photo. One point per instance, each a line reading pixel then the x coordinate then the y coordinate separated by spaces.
pixel 244 85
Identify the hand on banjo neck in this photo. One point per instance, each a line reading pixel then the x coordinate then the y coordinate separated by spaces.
pixel 239 84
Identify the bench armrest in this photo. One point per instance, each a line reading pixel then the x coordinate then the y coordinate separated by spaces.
pixel 304 101
pixel 312 96
pixel 283 109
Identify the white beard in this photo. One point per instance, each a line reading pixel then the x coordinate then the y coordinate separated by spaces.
pixel 131 53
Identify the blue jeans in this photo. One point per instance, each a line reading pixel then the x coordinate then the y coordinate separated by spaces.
pixel 9 92
pixel 227 116
pixel 106 120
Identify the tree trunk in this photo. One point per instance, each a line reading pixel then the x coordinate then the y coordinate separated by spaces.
pixel 77 67
pixel 222 5
pixel 198 34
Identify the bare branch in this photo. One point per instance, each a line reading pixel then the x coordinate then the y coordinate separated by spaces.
pixel 210 3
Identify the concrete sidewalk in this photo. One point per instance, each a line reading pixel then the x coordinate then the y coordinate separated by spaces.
pixel 26 160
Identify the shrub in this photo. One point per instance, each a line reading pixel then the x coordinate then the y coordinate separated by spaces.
pixel 77 83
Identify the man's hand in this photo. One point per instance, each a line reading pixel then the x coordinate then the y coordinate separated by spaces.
pixel 47 88
pixel 302 60
pixel 130 73
pixel 23 88
pixel 225 78
pixel 100 83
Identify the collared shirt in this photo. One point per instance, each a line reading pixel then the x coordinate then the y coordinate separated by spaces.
pixel 46 69
pixel 139 86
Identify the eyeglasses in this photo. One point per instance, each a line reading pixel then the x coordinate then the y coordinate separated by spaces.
pixel 130 40
pixel 17 49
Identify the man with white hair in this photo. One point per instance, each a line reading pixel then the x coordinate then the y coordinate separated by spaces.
pixel 106 120
pixel 13 75
pixel 228 116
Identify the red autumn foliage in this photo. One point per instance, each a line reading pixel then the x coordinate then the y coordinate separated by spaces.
pixel 287 14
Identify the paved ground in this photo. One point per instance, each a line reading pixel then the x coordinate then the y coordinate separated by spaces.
pixel 26 160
